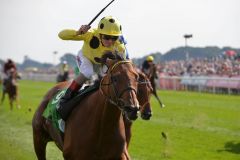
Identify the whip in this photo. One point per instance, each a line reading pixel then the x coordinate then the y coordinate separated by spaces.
pixel 100 13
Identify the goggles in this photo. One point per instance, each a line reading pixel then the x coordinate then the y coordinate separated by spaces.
pixel 108 37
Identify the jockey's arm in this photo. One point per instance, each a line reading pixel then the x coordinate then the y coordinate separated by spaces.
pixel 70 34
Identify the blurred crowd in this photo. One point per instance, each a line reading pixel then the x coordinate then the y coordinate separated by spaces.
pixel 218 66
pixel 201 67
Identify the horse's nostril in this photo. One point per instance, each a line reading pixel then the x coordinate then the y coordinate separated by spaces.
pixel 146 116
pixel 131 112
pixel 133 116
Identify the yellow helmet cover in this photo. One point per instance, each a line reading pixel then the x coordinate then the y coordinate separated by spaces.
pixel 109 26
pixel 150 58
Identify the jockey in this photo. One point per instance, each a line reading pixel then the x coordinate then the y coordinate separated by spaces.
pixel 9 67
pixel 147 64
pixel 64 70
pixel 106 38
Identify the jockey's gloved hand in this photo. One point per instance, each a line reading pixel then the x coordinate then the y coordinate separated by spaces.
pixel 83 29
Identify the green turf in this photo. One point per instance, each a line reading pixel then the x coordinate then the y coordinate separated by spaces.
pixel 198 126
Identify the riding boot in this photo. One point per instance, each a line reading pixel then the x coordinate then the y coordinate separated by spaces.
pixel 64 110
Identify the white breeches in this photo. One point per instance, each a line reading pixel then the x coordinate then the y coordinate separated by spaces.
pixel 87 68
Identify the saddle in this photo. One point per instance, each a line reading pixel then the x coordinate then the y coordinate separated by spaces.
pixel 51 110
pixel 82 94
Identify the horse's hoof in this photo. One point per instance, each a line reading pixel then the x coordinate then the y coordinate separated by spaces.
pixel 163 105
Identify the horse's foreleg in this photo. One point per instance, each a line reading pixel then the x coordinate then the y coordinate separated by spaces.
pixel 157 97
pixel 39 144
pixel 125 155
pixel 10 101
pixel 55 134
pixel 17 100
pixel 3 97
pixel 128 132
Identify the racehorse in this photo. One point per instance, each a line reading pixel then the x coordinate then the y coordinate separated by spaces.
pixel 143 95
pixel 10 87
pixel 43 128
pixel 101 134
pixel 144 92
pixel 152 74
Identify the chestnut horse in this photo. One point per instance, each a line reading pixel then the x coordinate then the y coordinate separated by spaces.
pixel 10 87
pixel 143 95
pixel 101 124
pixel 152 74
pixel 43 129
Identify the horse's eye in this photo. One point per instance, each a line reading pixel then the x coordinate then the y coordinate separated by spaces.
pixel 114 79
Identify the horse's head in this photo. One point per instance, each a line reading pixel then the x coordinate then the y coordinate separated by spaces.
pixel 120 84
pixel 143 95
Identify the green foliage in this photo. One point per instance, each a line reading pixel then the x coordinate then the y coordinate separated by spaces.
pixel 195 126
pixel 70 58
pixel 28 63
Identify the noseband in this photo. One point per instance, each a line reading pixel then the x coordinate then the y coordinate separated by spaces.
pixel 117 101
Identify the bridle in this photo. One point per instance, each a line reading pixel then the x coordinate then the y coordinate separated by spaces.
pixel 145 82
pixel 116 98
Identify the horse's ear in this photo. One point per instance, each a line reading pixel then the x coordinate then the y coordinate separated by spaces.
pixel 119 56
pixel 143 77
pixel 109 62
pixel 109 55
pixel 103 59
pixel 141 74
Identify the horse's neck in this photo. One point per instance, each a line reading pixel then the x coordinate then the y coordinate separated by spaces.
pixel 111 129
pixel 111 118
pixel 108 115
pixel 153 68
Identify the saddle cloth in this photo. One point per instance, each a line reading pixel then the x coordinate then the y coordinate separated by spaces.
pixel 51 110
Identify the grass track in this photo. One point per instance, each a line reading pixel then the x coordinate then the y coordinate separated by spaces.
pixel 199 126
